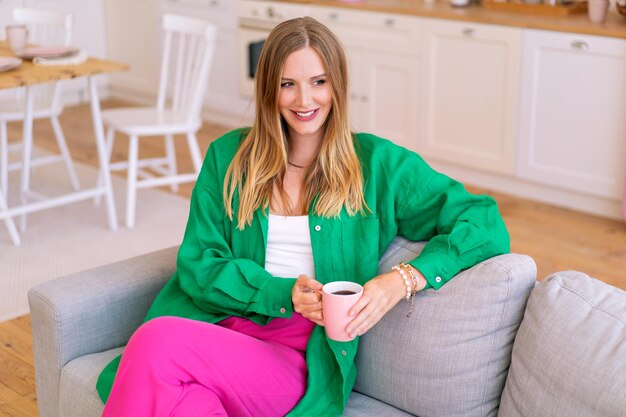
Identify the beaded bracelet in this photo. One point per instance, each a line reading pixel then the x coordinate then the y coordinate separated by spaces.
pixel 405 278
pixel 410 294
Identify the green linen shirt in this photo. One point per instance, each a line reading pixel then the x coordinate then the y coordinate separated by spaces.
pixel 220 269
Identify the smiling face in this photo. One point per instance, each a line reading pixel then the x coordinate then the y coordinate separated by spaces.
pixel 305 96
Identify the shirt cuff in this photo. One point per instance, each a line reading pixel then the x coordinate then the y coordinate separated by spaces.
pixel 436 270
pixel 275 297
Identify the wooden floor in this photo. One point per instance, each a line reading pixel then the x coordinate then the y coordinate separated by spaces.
pixel 558 239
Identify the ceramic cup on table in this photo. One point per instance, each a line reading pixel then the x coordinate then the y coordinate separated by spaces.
pixel 17 37
pixel 460 3
pixel 597 10
pixel 337 299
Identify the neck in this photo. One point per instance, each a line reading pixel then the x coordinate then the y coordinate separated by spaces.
pixel 303 151
pixel 298 166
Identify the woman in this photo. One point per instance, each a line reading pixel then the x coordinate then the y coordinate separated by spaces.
pixel 234 332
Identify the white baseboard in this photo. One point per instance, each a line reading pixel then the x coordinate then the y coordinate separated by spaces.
pixel 530 190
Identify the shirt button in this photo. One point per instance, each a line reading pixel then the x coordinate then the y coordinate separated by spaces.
pixel 318 228
pixel 282 310
pixel 344 353
pixel 438 279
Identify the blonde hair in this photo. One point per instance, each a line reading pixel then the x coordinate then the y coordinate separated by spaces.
pixel 335 179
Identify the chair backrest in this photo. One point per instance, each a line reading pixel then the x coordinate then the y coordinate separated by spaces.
pixel 46 27
pixel 189 46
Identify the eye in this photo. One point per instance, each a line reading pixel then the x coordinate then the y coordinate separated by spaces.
pixel 287 84
pixel 320 81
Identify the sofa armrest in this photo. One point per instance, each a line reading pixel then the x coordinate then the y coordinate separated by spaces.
pixel 450 358
pixel 91 311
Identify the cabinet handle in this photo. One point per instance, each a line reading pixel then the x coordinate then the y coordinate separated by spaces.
pixel 214 3
pixel 363 99
pixel 334 16
pixel 582 45
pixel 469 32
pixel 390 22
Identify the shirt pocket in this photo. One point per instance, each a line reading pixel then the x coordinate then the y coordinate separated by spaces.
pixel 359 243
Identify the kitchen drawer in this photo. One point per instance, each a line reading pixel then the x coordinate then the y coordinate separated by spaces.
pixel 268 14
pixel 372 31
pixel 577 42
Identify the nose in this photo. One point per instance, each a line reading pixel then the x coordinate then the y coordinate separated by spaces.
pixel 304 97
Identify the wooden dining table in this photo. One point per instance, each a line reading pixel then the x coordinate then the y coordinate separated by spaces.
pixel 28 75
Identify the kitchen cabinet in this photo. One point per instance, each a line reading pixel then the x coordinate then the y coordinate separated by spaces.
pixel 470 95
pixel 383 55
pixel 572 123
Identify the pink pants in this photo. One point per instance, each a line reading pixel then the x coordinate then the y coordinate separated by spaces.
pixel 176 367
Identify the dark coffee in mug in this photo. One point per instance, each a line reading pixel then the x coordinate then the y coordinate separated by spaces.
pixel 344 292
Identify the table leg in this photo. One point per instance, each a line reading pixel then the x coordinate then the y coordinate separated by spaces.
pixel 105 174
pixel 624 201
pixel 27 140
pixel 15 237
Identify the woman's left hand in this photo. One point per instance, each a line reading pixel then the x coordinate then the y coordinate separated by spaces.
pixel 380 295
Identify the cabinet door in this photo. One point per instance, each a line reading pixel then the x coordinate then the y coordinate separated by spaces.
pixel 383 54
pixel 385 95
pixel 572 131
pixel 471 82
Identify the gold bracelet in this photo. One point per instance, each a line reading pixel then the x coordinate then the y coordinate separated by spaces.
pixel 414 277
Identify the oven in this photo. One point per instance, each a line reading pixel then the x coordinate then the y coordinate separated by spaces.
pixel 256 18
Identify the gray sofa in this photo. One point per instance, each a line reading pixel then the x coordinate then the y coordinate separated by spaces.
pixel 488 343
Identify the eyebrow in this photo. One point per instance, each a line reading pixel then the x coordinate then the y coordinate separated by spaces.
pixel 312 78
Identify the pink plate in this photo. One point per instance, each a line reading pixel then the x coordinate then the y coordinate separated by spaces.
pixel 46 52
pixel 8 63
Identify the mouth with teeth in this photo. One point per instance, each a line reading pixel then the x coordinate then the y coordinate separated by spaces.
pixel 305 116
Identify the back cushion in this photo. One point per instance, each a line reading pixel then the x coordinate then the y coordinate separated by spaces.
pixel 451 356
pixel 569 358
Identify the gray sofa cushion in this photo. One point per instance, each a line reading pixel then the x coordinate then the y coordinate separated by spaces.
pixel 77 392
pixel 451 357
pixel 569 357
pixel 78 396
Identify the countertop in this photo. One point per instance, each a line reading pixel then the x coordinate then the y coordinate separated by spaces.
pixel 614 26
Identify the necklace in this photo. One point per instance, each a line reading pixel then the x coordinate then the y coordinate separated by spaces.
pixel 297 166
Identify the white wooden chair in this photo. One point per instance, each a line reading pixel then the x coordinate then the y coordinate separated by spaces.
pixel 189 46
pixel 45 28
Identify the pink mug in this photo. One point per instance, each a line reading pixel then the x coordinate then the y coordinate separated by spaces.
pixel 337 299
pixel 17 36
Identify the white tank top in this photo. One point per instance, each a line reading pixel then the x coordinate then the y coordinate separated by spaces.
pixel 289 252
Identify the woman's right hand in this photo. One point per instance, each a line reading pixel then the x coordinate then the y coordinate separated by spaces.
pixel 306 296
